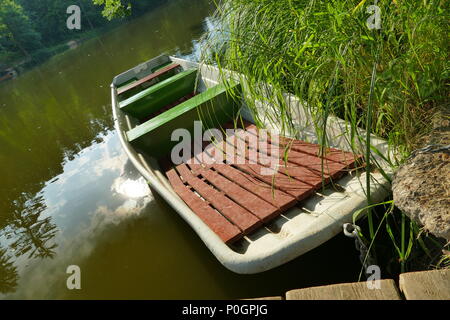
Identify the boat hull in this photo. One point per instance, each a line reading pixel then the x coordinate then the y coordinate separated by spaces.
pixel 295 232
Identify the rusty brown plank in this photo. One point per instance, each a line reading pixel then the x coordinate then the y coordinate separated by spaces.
pixel 258 187
pixel 239 216
pixel 262 189
pixel 259 207
pixel 147 78
pixel 331 154
pixel 298 189
pixel 228 232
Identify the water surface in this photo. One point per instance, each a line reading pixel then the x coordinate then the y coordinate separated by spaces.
pixel 69 195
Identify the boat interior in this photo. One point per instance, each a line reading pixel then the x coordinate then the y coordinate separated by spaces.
pixel 233 199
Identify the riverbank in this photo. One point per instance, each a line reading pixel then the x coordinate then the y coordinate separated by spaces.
pixel 30 42
pixel 41 56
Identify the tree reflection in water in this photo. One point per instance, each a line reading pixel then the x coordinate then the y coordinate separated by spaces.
pixel 27 234
pixel 8 273
pixel 30 233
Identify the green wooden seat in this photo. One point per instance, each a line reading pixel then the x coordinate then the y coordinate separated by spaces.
pixel 157 96
pixel 213 107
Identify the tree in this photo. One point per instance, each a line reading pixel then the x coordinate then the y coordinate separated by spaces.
pixel 122 8
pixel 17 34
pixel 114 8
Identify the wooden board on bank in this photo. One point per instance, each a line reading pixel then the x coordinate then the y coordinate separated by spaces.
pixel 347 291
pixel 426 285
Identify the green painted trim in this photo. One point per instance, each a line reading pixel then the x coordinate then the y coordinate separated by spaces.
pixel 162 77
pixel 213 107
pixel 159 95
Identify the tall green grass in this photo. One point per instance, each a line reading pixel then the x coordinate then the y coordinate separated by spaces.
pixel 388 81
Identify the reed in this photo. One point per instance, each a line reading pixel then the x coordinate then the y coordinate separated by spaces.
pixel 387 81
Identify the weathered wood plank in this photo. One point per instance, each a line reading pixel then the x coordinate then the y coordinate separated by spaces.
pixel 148 78
pixel 331 154
pixel 260 188
pixel 274 196
pixel 260 208
pixel 298 164
pixel 347 291
pixel 239 216
pixel 214 220
pixel 295 188
pixel 426 285
pixel 266 298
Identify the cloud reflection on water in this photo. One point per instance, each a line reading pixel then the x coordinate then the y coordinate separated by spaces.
pixel 99 187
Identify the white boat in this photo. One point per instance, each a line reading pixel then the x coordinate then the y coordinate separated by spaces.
pixel 294 232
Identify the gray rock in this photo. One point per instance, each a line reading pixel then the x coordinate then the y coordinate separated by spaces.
pixel 421 189
pixel 421 186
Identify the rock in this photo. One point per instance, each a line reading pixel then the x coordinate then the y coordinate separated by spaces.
pixel 421 189
pixel 421 186
pixel 73 44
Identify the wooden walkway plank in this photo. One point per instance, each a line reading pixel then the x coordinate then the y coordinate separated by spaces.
pixel 298 189
pixel 329 168
pixel 253 190
pixel 347 291
pixel 265 191
pixel 239 216
pixel 297 153
pixel 260 208
pixel 289 185
pixel 332 154
pixel 426 285
pixel 290 168
pixel 228 232
pixel 258 187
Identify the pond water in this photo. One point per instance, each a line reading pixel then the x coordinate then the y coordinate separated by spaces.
pixel 69 196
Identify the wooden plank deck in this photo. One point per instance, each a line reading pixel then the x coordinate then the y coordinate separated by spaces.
pixel 426 285
pixel 347 291
pixel 267 298
pixel 240 192
pixel 227 231
pixel 423 285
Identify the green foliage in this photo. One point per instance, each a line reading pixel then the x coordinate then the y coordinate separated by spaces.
pixel 323 52
pixel 36 30
pixel 17 35
pixel 54 30
pixel 389 81
pixel 114 8
pixel 123 8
